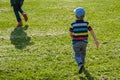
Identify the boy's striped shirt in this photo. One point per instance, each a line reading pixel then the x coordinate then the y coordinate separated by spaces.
pixel 79 30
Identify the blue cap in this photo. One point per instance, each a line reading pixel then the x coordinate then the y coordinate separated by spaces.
pixel 79 11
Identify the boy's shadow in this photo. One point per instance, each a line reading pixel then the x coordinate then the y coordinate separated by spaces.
pixel 19 37
pixel 87 75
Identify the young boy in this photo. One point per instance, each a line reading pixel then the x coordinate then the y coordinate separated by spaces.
pixel 17 4
pixel 79 34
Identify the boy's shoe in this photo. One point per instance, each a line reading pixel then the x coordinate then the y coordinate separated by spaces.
pixel 19 24
pixel 81 66
pixel 25 16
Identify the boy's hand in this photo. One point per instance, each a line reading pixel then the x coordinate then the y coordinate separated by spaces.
pixel 95 39
pixel 97 43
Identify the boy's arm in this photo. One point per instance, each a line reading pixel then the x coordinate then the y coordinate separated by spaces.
pixel 94 37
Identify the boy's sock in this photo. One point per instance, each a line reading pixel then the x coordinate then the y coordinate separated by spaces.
pixel 25 16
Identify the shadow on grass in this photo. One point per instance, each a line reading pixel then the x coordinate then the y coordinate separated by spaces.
pixel 19 37
pixel 87 75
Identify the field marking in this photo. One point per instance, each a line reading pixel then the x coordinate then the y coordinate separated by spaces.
pixel 49 34
pixel 4 9
pixel 36 33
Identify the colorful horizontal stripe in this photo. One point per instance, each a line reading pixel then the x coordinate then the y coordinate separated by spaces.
pixel 80 34
pixel 79 30
pixel 80 24
pixel 80 38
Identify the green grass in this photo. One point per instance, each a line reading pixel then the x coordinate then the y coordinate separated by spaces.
pixel 44 51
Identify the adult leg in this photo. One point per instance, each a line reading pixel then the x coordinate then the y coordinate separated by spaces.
pixel 21 10
pixel 20 3
pixel 16 12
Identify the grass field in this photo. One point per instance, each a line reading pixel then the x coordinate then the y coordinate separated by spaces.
pixel 44 51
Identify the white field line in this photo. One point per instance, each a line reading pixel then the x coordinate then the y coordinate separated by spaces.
pixel 48 34
pixel 64 0
pixel 4 9
pixel 6 46
pixel 57 7
pixel 35 34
